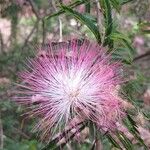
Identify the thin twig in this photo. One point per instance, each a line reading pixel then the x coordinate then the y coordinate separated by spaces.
pixel 34 9
pixel 73 5
pixel 142 56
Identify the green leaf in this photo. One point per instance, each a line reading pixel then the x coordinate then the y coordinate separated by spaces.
pixel 124 140
pixel 131 125
pixel 122 54
pixel 132 121
pixel 116 4
pixel 118 36
pixel 87 6
pixel 126 53
pixel 113 141
pixel 85 20
pixel 132 88
pixel 125 1
pixel 146 114
pixel 106 9
pixel 92 18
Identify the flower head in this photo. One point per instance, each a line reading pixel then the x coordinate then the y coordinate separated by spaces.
pixel 75 78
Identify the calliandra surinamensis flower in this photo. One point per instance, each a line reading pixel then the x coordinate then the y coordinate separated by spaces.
pixel 75 78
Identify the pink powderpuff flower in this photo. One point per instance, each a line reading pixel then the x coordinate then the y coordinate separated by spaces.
pixel 75 78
